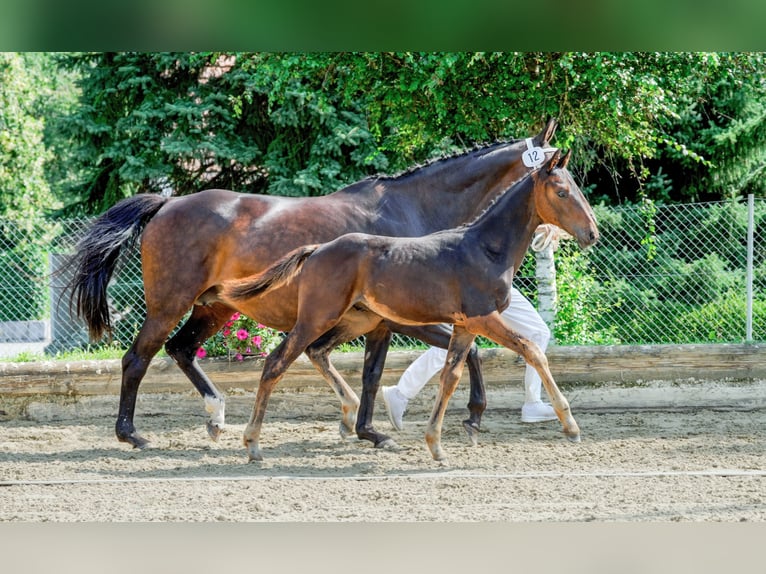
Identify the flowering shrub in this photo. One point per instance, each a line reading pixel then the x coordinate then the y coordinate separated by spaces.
pixel 239 337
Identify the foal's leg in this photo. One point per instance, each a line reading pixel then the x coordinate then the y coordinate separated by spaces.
pixel 319 355
pixel 459 345
pixel 439 336
pixel 203 323
pixel 274 368
pixel 494 327
pixel 376 347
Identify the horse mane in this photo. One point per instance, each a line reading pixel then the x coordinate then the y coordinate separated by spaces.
pixel 478 150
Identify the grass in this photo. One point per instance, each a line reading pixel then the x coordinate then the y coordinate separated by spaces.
pixel 89 353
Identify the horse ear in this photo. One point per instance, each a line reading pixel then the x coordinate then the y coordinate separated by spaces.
pixel 551 165
pixel 549 130
pixel 565 159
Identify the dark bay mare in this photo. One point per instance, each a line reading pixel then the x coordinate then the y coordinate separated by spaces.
pixel 192 243
pixel 460 276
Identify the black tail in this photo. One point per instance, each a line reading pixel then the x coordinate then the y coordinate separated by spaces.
pixel 275 276
pixel 97 254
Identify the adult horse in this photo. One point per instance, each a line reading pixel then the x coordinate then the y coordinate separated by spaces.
pixel 190 244
pixel 460 276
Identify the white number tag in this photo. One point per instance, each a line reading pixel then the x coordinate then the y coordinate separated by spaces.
pixel 534 156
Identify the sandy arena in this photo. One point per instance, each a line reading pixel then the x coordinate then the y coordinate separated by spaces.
pixel 704 463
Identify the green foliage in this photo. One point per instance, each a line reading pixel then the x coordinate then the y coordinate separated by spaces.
pixel 724 120
pixel 582 302
pixel 310 123
pixel 24 190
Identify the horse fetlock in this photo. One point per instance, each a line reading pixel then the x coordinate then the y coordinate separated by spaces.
pixel 433 441
pixel 216 407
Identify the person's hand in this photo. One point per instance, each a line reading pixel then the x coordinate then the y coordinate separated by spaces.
pixel 547 235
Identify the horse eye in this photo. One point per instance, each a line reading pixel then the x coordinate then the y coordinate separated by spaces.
pixel 562 194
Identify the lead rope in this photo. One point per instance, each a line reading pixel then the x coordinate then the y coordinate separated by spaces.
pixel 547 235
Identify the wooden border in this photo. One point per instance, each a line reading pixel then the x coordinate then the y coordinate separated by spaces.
pixel 621 364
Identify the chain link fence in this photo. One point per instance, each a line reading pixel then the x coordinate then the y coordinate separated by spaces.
pixel 681 273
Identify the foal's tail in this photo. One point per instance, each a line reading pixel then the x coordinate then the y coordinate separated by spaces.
pixel 275 276
pixel 97 254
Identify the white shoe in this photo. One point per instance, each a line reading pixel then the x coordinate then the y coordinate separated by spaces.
pixel 396 403
pixel 537 412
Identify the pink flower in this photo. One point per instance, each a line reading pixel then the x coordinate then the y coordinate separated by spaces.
pixel 201 353
pixel 242 334
pixel 235 316
pixel 261 326
pixel 239 357
pixel 226 332
pixel 258 341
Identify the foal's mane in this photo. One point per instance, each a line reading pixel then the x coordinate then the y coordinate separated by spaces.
pixel 497 198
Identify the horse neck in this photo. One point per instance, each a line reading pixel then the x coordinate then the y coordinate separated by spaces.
pixel 453 191
pixel 506 228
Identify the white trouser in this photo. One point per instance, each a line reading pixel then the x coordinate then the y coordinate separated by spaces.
pixel 522 317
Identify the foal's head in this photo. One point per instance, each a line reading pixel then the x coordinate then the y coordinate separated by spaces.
pixel 559 201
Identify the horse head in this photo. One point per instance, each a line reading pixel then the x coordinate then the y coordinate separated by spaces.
pixel 558 200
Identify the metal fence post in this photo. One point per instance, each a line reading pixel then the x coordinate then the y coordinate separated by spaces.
pixel 749 280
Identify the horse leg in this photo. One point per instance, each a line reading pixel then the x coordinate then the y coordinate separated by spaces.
pixel 135 362
pixel 459 345
pixel 319 355
pixel 204 322
pixel 439 336
pixel 375 352
pixel 274 367
pixel 354 324
pixel 494 327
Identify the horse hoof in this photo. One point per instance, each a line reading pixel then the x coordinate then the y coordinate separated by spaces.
pixel 439 456
pixel 136 440
pixel 254 456
pixel 574 437
pixel 345 431
pixel 472 430
pixel 387 444
pixel 214 431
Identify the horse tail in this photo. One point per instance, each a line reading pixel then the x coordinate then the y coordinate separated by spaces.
pixel 111 235
pixel 283 271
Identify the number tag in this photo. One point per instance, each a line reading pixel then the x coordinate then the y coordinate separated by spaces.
pixel 534 156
